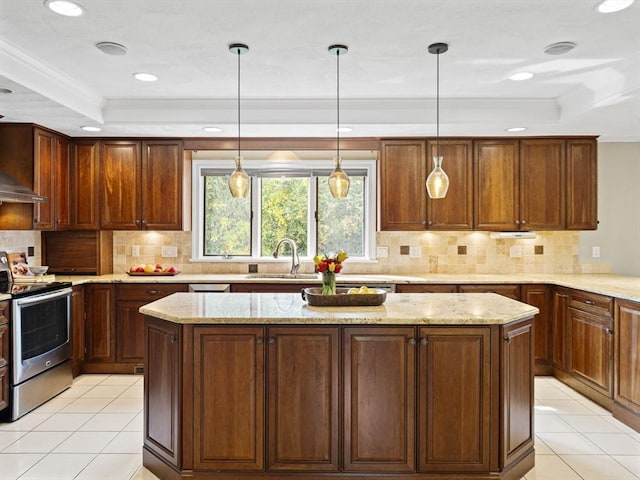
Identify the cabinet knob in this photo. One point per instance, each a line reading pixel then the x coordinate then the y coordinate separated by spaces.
pixel 271 340
pixel 430 222
pixel 412 341
pixel 153 292
pixel 137 222
pixel 517 222
pixel 507 338
pixel 424 341
pixel 609 331
pixel 259 341
pixel 174 339
pixel 524 222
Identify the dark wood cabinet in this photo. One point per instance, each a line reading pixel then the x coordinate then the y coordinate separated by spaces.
pixel 542 184
pixel 77 329
pixel 540 296
pixel 560 330
pixel 228 398
pixel 455 211
pixel 517 392
pixel 130 322
pixel 120 185
pixel 511 291
pixel 379 399
pixel 86 185
pixel 454 404
pixel 402 185
pixel 163 406
pixel 626 390
pixel 4 355
pixel 4 388
pixel 302 399
pixel 582 184
pixel 78 252
pixel 425 288
pixel 100 324
pixel 496 185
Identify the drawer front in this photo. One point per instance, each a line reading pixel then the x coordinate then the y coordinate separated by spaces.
pixel 147 291
pixel 510 291
pixel 4 312
pixel 592 303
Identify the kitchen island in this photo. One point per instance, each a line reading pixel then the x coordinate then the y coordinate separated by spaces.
pixel 262 385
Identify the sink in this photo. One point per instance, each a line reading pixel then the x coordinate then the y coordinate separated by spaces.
pixel 300 276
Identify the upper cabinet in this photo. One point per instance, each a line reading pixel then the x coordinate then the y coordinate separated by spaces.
pixel 86 185
pixel 455 211
pixel 161 185
pixel 582 185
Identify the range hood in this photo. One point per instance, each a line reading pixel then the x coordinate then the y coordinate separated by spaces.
pixel 14 192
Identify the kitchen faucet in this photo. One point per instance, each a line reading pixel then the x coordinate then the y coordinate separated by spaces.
pixel 295 260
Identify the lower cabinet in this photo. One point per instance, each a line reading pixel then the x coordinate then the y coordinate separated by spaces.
pixel 511 290
pixel 77 329
pixel 100 324
pixel 4 355
pixel 560 330
pixel 626 391
pixel 540 296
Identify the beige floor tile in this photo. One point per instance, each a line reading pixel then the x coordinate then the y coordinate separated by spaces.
pixel 75 391
pixel 58 466
pixel 630 462
pixel 12 465
pixel 63 422
pixel 7 437
pixel 108 422
pixel 124 405
pixel 590 424
pixel 563 407
pixel 112 466
pixel 551 423
pixel 144 474
pixel 615 443
pixel 125 442
pixel 569 444
pixel 105 391
pixel 86 405
pixel 598 467
pixel 37 442
pixel 121 380
pixel 91 380
pixel 551 467
pixel 26 423
pixel 86 442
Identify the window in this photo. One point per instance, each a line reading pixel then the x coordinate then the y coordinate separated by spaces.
pixel 289 200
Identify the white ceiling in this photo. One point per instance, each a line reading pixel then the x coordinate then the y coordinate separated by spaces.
pixel 387 80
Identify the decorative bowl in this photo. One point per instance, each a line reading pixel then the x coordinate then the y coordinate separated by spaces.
pixel 313 296
pixel 39 271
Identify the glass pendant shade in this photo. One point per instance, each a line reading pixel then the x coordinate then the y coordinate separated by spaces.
pixel 437 181
pixel 338 181
pixel 239 181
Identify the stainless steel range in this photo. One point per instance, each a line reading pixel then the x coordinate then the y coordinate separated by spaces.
pixel 40 327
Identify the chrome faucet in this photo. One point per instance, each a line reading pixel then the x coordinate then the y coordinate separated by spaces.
pixel 295 260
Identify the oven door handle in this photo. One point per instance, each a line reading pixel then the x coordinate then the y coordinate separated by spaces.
pixel 42 297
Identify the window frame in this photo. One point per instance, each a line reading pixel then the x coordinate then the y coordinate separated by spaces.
pixel 197 204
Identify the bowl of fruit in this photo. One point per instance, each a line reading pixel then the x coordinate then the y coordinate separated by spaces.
pixel 345 297
pixel 151 269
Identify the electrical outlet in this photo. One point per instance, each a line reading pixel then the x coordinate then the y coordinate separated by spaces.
pixel 382 252
pixel 169 251
pixel 595 252
pixel 515 251
pixel 135 250
pixel 415 252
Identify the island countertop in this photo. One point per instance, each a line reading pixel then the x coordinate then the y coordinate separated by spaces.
pixel 290 308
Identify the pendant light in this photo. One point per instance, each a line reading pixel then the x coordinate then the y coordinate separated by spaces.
pixel 338 180
pixel 239 181
pixel 437 181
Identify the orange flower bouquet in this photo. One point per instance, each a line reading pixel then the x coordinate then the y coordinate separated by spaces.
pixel 329 266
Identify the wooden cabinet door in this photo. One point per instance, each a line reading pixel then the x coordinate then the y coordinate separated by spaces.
pixel 77 329
pixel 627 355
pixel 379 399
pixel 496 186
pixel 43 182
pixel 100 323
pixel 517 391
pixel 560 330
pixel 542 184
pixel 540 296
pixel 228 398
pixel 86 185
pixel 161 185
pixel 510 291
pixel 455 211
pixel 592 350
pixel 164 409
pixel 454 399
pixel 4 388
pixel 303 398
pixel 582 185
pixel 426 288
pixel 120 185
pixel 63 185
pixel 403 191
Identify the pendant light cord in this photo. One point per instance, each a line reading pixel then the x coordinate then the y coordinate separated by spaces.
pixel 438 104
pixel 238 52
pixel 338 101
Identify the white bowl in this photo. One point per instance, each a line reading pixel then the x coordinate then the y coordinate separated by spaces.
pixel 38 271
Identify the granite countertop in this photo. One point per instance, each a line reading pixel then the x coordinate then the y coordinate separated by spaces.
pixel 618 286
pixel 290 308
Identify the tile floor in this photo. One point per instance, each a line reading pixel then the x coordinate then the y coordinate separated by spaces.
pixel 94 431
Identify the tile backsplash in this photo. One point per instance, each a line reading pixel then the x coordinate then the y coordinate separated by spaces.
pixel 20 241
pixel 422 252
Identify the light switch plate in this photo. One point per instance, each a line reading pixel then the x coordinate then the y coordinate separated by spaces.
pixel 595 252
pixel 382 252
pixel 415 252
pixel 169 251
pixel 515 251
pixel 135 250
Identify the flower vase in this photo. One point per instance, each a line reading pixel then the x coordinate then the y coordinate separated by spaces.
pixel 328 283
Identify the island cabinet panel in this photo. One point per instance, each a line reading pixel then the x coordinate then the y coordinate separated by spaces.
pixel 560 330
pixel 454 407
pixel 455 211
pixel 517 392
pixel 100 323
pixel 403 194
pixel 627 362
pixel 540 296
pixel 228 398
pixel 496 187
pixel 542 184
pixel 582 184
pixel 379 391
pixel 163 405
pixel 303 398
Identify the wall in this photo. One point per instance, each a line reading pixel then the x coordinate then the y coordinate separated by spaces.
pixel 618 234
pixel 439 253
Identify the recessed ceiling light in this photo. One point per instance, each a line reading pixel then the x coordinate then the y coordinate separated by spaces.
pixel 88 128
pixel 65 7
pixel 111 48
pixel 559 48
pixel 145 77
pixel 212 129
pixel 5 90
pixel 515 129
pixel 344 129
pixel 517 77
pixel 610 6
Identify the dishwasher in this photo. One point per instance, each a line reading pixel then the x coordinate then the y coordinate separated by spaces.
pixel 210 287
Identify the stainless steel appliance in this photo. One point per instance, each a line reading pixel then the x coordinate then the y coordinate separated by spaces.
pixel 210 287
pixel 40 336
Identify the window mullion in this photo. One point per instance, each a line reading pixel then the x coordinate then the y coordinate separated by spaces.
pixel 256 217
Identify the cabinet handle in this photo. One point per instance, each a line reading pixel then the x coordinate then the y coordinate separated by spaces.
pixel 137 222
pixel 153 292
pixel 589 302
pixel 430 222
pixel 424 341
pixel 271 340
pixel 259 341
pixel 507 338
pixel 524 222
pixel 517 222
pixel 609 331
pixel 412 341
pixel 144 222
pixel 174 339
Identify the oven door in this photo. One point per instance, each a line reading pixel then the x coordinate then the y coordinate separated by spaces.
pixel 41 333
